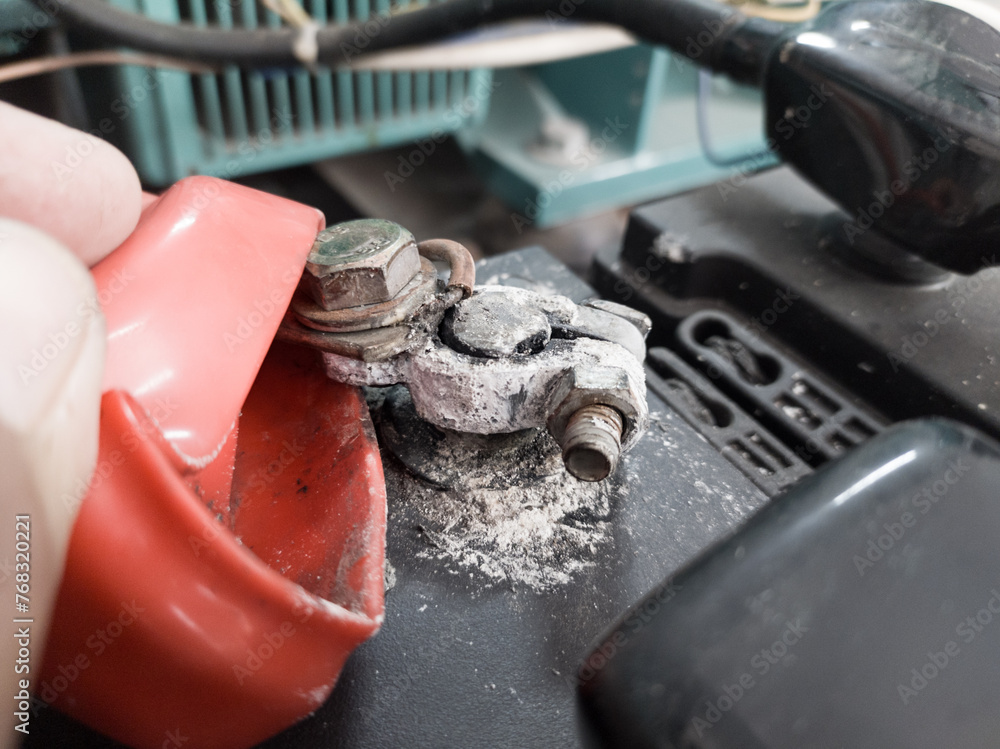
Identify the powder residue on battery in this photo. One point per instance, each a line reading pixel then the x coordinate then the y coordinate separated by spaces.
pixel 536 534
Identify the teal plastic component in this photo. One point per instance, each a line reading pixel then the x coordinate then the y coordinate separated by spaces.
pixel 20 22
pixel 174 124
pixel 639 106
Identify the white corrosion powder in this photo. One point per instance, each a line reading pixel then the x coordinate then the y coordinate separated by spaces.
pixel 537 534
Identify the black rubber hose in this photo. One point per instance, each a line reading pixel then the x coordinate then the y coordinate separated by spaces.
pixel 714 35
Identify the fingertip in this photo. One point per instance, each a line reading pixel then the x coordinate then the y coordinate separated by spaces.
pixel 74 186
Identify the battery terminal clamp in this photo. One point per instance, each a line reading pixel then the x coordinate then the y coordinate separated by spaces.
pixel 492 360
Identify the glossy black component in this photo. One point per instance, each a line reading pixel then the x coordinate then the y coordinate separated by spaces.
pixel 861 609
pixel 893 109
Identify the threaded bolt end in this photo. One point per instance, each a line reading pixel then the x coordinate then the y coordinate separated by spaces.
pixel 592 442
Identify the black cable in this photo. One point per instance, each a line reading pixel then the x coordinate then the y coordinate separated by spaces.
pixel 715 35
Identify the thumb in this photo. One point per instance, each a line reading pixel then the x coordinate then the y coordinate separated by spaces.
pixel 51 364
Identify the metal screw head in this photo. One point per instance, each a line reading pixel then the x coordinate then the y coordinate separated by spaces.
pixel 361 262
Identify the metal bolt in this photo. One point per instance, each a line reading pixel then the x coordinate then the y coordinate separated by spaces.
pixel 592 442
pixel 362 262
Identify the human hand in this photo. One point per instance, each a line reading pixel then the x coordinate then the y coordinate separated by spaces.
pixel 67 199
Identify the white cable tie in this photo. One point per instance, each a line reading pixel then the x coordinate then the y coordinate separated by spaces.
pixel 306 44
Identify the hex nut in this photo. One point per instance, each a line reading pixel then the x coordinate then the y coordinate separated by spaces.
pixel 358 263
pixel 623 389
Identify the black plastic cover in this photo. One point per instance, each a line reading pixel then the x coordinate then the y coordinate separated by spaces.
pixel 892 108
pixel 861 609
